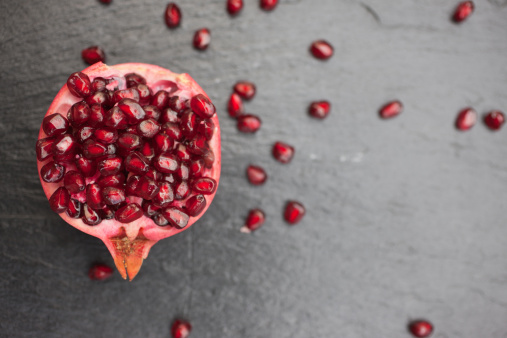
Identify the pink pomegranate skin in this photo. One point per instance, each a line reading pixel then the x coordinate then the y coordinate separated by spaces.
pixel 130 243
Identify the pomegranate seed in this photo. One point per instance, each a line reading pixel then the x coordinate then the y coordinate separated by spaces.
pixel 113 195
pixel 160 220
pixel 202 106
pixel 128 213
pixel 100 271
pixel 154 174
pixel 98 98
pixel 166 163
pixel 176 217
pixel 294 212
pixel 183 171
pixel 116 119
pixel 198 145
pixel 93 54
pixel 164 196
pixel 202 38
pixel 466 119
pixel 97 115
pixel 463 11
pixel 235 106
pixel 169 115
pixel 132 184
pixel 256 175
pixel 254 220
pixel 106 213
pixel 90 216
pixel 59 200
pixel 64 144
pixel 136 163
pixel 134 79
pixel 319 109
pixel 234 6
pixel 78 114
pixel 189 124
pixel 94 196
pixel 74 182
pixel 147 188
pixel 129 93
pixel 494 119
pixel 74 209
pixel 93 149
pixel 148 128
pixel 117 181
pixel 181 190
pixel 145 93
pixel 132 109
pixel 84 133
pixel 55 125
pixel 249 123
pixel 206 128
pixel 52 172
pixel 160 99
pixel 391 109
pixel 421 328
pixel 195 205
pixel 150 209
pixel 245 89
pixel 79 84
pixel 204 185
pixel 99 84
pixel 172 15
pixel 196 168
pixel 162 143
pixel 173 130
pixel 268 5
pixel 105 2
pixel 110 165
pixel 152 112
pixel 148 151
pixel 177 105
pixel 86 166
pixel 64 159
pixel 321 49
pixel 283 152
pixel 129 141
pixel 44 148
pixel 105 135
pixel 209 158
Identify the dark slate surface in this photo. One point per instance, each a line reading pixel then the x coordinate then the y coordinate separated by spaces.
pixel 406 218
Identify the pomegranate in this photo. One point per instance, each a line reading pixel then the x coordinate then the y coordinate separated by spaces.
pixel 202 38
pixel 245 89
pixel 294 212
pixel 319 109
pixel 494 120
pixel 235 106
pixel 181 328
pixel 463 11
pixel 466 119
pixel 256 175
pixel 420 328
pixel 93 54
pixel 249 123
pixel 321 49
pixel 101 185
pixel 391 109
pixel 172 15
pixel 283 152
pixel 254 221
pixel 234 6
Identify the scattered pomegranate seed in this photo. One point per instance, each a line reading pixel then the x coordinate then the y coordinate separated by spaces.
pixel 391 109
pixel 321 49
pixel 100 272
pixel 294 212
pixel 466 119
pixel 268 5
pixel 181 328
pixel 256 175
pixel 93 54
pixel 202 38
pixel 494 119
pixel 283 152
pixel 245 89
pixel 172 15
pixel 463 11
pixel 235 106
pixel 254 221
pixel 249 123
pixel 195 205
pixel 319 109
pixel 234 6
pixel 421 328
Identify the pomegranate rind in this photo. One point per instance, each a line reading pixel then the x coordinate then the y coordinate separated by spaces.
pixel 130 243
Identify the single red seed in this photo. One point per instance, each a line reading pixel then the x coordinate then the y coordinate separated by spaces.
pixel 110 165
pixel 64 159
pixel 117 181
pixel 79 84
pixel 206 128
pixel 195 205
pixel 44 148
pixel 196 168
pixel 189 123
pixel 268 5
pixel 162 143
pixel 86 166
pixel 234 6
pixel 129 93
pixel 93 149
pixel 169 115
pixel 294 212
pixel 172 15
pixel 283 152
pixel 55 125
pixel 256 175
pixel 166 163
pixel 107 212
pixel 132 184
pixel 100 272
pixel 204 185
pixel 209 158
pixel 59 201
pixel 198 145
pixel 245 89
pixel 391 109
pixel 79 114
pixel 84 133
pixel 466 119
pixel 254 220
pixel 52 172
pixel 202 106
pixel 74 209
pixel 202 38
pixel 160 220
pixel 90 216
pixel 97 115
pixel 181 190
pixel 145 94
pixel 164 196
pixel 99 84
pixel 321 49
pixel 154 174
pixel 249 123
pixel 147 188
pixel 132 109
pixel 74 181
pixel 420 328
pixel 129 213
pixel 129 141
pixel 235 106
pixel 494 120
pixel 148 151
pixel 182 172
pixel 113 195
pixel 176 217
pixel 319 109
pixel 116 119
pixel 93 54
pixel 173 130
pixel 105 135
pixel 152 112
pixel 148 128
pixel 101 98
pixel 64 145
pixel 177 105
pixel 463 11
pixel 133 79
pixel 94 196
pixel 160 99
pixel 136 163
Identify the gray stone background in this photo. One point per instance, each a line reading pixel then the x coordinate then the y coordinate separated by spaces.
pixel 405 218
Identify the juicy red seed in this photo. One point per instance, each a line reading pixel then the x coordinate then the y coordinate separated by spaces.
pixel 129 141
pixel 198 145
pixel 132 109
pixel 94 196
pixel 463 11
pixel 256 175
pixel 86 166
pixel 321 49
pixel 494 119
pixel 391 109
pixel 148 128
pixel 99 84
pixel 160 99
pixel 152 112
pixel 64 159
pixel 319 109
pixel 234 6
pixel 173 131
pixel 150 209
pixel 52 172
pixel 145 93
pixel 195 205
pixel 177 105
pixel 74 182
pixel 59 201
pixel 466 119
pixel 420 328
pixel 245 90
pixel 164 196
pixel 176 217
pixel 202 106
pixel 147 188
pixel 128 213
pixel 64 144
pixel 129 93
pixel 268 5
pixel 136 163
pixel 154 174
pixel 206 128
pixel 133 79
pixel 255 219
pixel 249 123
pixel 113 195
pixel 181 190
pixel 169 115
pixel 166 163
pixel 98 98
pixel 204 185
pixel 110 165
pixel 105 135
pixel 116 119
pixel 196 168
pixel 182 152
pixel 162 143
pixel 283 152
pixel 202 38
pixel 172 15
pixel 79 114
pixel 84 133
pixel 106 213
pixel 90 216
pixel 294 212
pixel 117 181
pixel 44 148
pixel 100 271
pixel 183 171
pixel 148 151
pixel 93 149
pixel 74 208
pixel 132 184
pixel 189 124
pixel 93 54
pixel 235 106
pixel 160 220
pixel 209 158
pixel 79 84
pixel 55 124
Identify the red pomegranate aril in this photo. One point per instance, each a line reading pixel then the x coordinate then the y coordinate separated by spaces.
pixel 176 217
pixel 152 112
pixel 204 185
pixel 147 151
pixel 98 98
pixel 198 145
pixel 74 182
pixel 116 119
pixel 64 144
pixel 136 163
pixel 97 115
pixel 172 130
pixel 107 212
pixel 59 201
pixel 90 216
pixel 110 165
pixel 494 120
pixel 256 175
pixel 164 196
pixel 420 328
pixel 99 84
pixel 160 99
pixel 182 152
pixel 235 106
pixel 209 158
pixel 93 54
pixel 234 6
pixel 52 172
pixel 44 148
pixel 294 212
pixel 132 109
pixel 55 125
pixel 391 109
pixel 145 93
pixel 466 119
pixel 181 190
pixel 162 143
pixel 196 168
pixel 132 184
pixel 177 105
pixel 249 123
pixel 64 160
pixel 183 171
pixel 105 135
pixel 245 90
pixel 79 84
pixel 79 114
pixel 129 93
pixel 172 15
pixel 113 195
pixel 153 174
pixel 189 123
pixel 321 49
pixel 254 220
pixel 463 11
pixel 202 106
pixel 319 109
pixel 74 209
pixel 149 208
pixel 206 128
pixel 87 167
pixel 283 152
pixel 169 115
pixel 94 196
pixel 148 128
pixel 129 141
pixel 195 205
pixel 84 133
pixel 133 79
pixel 166 163
pixel 117 181
pixel 93 149
pixel 129 213
pixel 100 271
pixel 147 188
pixel 268 5
pixel 160 220
pixel 202 38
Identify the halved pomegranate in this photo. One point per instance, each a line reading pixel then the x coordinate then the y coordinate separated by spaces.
pixel 123 182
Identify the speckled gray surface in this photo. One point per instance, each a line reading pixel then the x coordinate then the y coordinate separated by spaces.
pixel 405 218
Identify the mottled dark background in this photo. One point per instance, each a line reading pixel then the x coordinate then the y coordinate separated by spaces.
pixel 405 218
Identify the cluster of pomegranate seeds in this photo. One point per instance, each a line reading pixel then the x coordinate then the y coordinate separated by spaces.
pixel 466 119
pixel 294 212
pixel 134 145
pixel 391 109
pixel 181 328
pixel 254 220
pixel 268 5
pixel 234 6
pixel 494 120
pixel 202 38
pixel 319 109
pixel 93 54
pixel 246 123
pixel 256 175
pixel 283 152
pixel 172 15
pixel 321 49
pixel 420 328
pixel 463 11
pixel 100 272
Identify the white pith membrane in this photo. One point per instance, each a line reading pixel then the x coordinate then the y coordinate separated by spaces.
pixel 129 243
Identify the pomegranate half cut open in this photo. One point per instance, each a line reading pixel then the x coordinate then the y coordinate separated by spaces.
pixel 130 154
